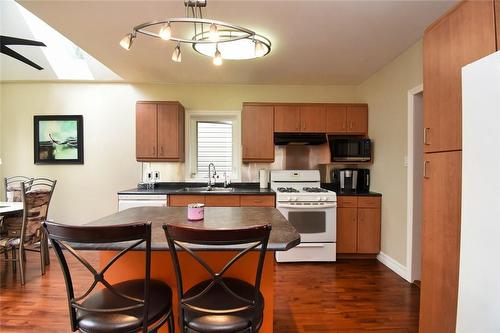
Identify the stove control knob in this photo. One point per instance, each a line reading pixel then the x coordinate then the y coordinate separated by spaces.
pixel 323 199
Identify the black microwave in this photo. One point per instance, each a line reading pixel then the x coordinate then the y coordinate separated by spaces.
pixel 350 149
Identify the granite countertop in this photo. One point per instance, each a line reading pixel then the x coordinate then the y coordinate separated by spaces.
pixel 177 188
pixel 365 194
pixel 283 235
pixel 329 186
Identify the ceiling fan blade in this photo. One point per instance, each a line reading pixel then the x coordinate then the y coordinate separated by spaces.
pixel 5 50
pixel 7 40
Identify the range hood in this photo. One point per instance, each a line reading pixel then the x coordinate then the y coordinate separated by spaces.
pixel 282 139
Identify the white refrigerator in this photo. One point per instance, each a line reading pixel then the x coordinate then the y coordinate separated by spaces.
pixel 479 280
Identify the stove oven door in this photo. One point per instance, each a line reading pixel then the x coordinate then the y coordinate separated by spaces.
pixel 315 223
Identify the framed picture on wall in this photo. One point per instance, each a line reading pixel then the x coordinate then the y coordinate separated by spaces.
pixel 58 139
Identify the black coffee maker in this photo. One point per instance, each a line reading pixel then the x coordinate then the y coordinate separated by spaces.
pixel 351 180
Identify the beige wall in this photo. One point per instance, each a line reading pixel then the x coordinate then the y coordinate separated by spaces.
pixel 85 192
pixel 386 93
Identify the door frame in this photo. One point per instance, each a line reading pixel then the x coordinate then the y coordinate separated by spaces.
pixel 409 181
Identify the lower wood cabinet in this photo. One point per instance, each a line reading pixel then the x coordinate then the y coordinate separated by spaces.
pixel 222 200
pixel 358 224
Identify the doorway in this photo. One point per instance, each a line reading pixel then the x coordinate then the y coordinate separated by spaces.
pixel 414 183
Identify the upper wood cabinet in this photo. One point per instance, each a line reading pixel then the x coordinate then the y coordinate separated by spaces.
pixel 296 118
pixel 257 127
pixel 312 118
pixel 336 119
pixel 145 130
pixel 351 119
pixel 287 118
pixel 159 131
pixel 462 36
pixel 357 119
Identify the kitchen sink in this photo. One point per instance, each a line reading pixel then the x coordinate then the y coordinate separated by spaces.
pixel 207 189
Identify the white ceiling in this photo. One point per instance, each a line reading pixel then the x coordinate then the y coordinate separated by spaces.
pixel 314 42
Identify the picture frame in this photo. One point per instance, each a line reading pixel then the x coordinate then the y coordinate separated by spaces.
pixel 58 139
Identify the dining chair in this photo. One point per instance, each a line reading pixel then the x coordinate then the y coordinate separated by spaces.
pixel 219 304
pixel 11 225
pixel 35 195
pixel 140 305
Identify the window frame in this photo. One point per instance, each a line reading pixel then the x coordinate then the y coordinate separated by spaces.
pixel 192 117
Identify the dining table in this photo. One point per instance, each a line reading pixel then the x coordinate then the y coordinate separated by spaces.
pixel 8 208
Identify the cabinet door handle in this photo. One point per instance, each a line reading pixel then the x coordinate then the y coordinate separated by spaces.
pixel 425 170
pixel 426 129
pixel 161 150
pixel 304 125
pixel 154 150
pixel 343 125
pixel 350 124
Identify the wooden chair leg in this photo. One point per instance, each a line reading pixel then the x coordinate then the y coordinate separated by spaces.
pixel 14 258
pixel 42 257
pixel 20 260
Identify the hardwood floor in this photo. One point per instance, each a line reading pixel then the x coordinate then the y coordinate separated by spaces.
pixel 346 297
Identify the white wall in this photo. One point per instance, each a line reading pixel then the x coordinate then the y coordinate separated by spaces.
pixel 386 94
pixel 85 192
pixel 479 286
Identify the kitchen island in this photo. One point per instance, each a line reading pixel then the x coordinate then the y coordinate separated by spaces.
pixel 283 237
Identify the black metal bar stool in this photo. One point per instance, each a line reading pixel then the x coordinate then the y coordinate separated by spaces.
pixel 220 304
pixel 141 305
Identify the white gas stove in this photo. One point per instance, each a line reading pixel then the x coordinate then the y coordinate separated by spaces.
pixel 311 210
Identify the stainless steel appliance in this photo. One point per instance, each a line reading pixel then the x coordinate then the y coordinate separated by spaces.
pixel 311 210
pixel 126 201
pixel 351 180
pixel 350 149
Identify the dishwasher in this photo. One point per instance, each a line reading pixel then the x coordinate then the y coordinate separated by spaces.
pixel 126 201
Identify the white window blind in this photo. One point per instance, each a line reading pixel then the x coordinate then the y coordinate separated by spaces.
pixel 214 145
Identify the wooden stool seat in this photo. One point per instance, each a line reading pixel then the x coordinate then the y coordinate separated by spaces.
pixel 126 321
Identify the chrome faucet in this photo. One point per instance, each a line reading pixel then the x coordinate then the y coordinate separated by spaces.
pixel 209 185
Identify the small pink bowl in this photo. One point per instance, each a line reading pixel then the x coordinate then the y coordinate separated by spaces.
pixel 196 212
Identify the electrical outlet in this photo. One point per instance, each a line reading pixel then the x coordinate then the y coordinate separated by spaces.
pixel 405 161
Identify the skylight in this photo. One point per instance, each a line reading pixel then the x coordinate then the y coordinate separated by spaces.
pixel 67 60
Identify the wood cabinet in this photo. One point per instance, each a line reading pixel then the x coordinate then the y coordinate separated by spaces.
pixel 312 118
pixel 358 224
pixel 257 201
pixel 159 131
pixel 440 242
pixel 303 118
pixel 257 132
pixel 146 130
pixel 462 36
pixel 350 119
pixel 222 200
pixel 357 119
pixel 287 118
pixel 497 23
pixel 216 200
pixel 336 119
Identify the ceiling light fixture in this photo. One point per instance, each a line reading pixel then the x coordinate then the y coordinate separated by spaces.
pixel 177 55
pixel 211 38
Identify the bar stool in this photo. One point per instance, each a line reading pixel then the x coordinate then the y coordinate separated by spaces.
pixel 220 304
pixel 141 305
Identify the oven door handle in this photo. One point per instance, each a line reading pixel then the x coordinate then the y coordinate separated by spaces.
pixel 311 245
pixel 280 205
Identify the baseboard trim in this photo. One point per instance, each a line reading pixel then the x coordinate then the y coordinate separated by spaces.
pixel 394 266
